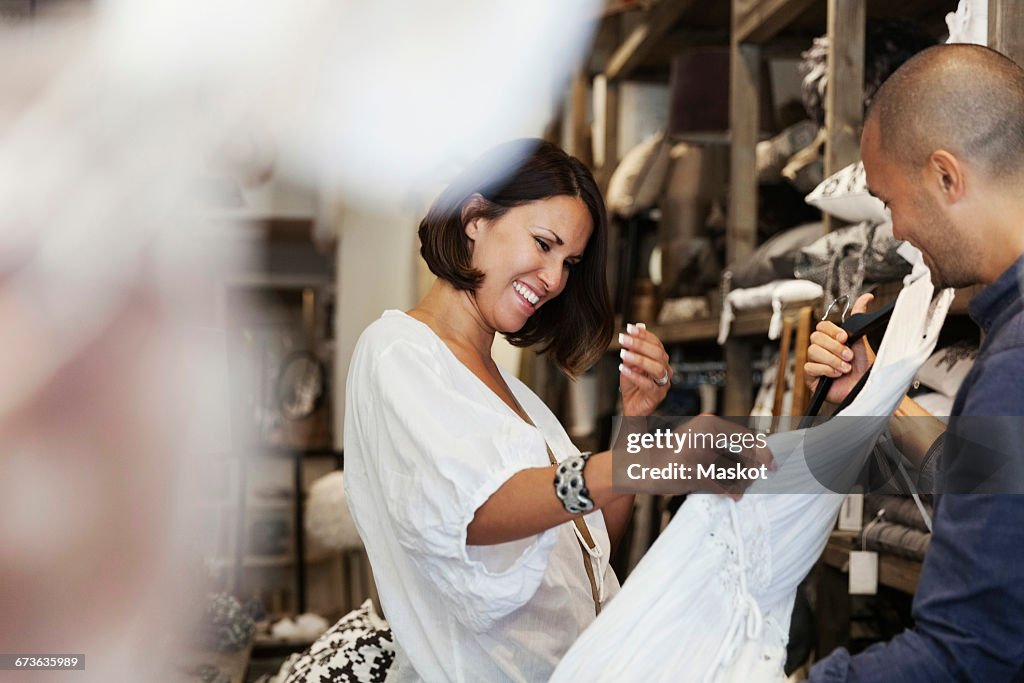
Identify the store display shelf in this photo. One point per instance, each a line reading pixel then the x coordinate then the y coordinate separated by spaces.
pixel 706 329
pixel 745 324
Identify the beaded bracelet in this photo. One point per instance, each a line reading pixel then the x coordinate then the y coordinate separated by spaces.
pixel 570 487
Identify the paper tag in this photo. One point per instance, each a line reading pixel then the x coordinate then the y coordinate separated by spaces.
pixel 863 572
pixel 851 514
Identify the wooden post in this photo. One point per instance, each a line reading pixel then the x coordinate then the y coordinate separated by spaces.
pixel 610 133
pixel 803 336
pixel 1006 28
pixel 579 127
pixel 780 372
pixel 844 94
pixel 741 229
pixel 739 379
pixel 610 136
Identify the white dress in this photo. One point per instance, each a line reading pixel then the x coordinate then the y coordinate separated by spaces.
pixel 426 443
pixel 712 599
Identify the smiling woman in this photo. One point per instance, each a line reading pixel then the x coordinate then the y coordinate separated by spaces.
pixel 546 190
pixel 486 569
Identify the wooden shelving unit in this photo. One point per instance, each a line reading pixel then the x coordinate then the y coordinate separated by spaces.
pixel 639 46
pixel 755 30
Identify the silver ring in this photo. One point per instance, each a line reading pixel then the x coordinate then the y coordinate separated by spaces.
pixel 664 380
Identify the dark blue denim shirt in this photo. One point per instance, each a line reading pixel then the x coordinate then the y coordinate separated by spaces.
pixel 969 606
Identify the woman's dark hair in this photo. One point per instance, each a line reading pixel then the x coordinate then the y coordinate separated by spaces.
pixel 576 326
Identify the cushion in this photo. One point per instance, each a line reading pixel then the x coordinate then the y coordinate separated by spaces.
pixel 358 648
pixel 328 518
pixel 775 294
pixel 844 195
pixel 772 155
pixel 847 260
pixel 776 258
pixel 637 181
pixel 946 369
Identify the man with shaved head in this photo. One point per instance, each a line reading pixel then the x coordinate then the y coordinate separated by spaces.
pixel 943 148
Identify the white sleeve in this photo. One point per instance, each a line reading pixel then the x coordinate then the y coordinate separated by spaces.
pixel 441 456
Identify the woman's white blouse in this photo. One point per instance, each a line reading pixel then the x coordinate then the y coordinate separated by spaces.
pixel 426 444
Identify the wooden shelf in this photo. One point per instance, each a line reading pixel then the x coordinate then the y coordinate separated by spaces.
pixel 745 324
pixel 755 323
pixel 893 571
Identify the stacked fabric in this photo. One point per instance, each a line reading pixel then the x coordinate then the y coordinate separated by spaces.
pixel 902 530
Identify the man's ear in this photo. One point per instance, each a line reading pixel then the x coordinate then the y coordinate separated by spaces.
pixel 471 219
pixel 945 173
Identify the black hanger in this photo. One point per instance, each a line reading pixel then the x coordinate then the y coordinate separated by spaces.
pixel 856 326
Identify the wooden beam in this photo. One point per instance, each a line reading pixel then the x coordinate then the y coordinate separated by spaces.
pixel 803 335
pixel 1005 21
pixel 780 372
pixel 609 131
pixel 580 145
pixel 642 39
pixel 744 90
pixel 739 379
pixel 758 21
pixel 603 175
pixel 844 94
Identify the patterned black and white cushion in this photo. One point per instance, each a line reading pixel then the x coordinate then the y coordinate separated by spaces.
pixel 358 649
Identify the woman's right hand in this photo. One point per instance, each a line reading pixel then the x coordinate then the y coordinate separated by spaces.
pixel 829 357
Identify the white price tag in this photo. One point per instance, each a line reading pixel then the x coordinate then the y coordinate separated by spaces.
pixel 851 514
pixel 863 572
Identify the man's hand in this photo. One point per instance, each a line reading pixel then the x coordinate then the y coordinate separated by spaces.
pixel 829 357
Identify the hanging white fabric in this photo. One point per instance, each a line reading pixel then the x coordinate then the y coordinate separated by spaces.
pixel 712 599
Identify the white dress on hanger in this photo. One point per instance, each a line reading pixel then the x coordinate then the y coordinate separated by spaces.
pixel 712 598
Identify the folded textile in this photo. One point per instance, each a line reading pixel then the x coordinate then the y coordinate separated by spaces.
pixel 847 259
pixel 775 293
pixel 901 510
pixel 776 257
pixel 946 369
pixel 897 539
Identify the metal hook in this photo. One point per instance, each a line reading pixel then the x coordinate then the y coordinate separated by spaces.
pixel 846 307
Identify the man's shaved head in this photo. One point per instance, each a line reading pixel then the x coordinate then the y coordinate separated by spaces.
pixel 966 99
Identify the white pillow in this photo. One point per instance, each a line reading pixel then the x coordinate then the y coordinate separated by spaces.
pixel 946 369
pixel 844 195
pixel 636 183
pixel 360 648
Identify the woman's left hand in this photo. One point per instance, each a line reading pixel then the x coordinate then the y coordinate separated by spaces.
pixel 644 373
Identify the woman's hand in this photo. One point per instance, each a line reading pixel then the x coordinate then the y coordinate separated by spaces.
pixel 828 357
pixel 644 373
